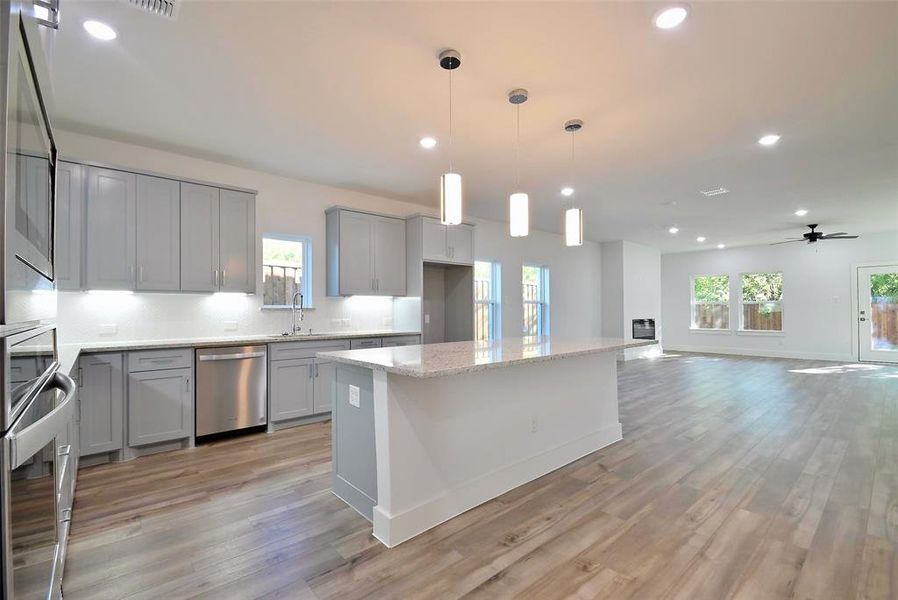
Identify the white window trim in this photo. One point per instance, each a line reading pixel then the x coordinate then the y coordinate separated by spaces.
pixel 761 332
pixel 495 302
pixel 544 313
pixel 729 304
pixel 307 295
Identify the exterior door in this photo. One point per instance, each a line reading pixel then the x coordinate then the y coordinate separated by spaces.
pixel 878 313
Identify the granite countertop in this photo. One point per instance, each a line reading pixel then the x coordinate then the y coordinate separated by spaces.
pixel 68 353
pixel 437 360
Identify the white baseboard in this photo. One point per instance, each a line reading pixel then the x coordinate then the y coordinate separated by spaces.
pixel 392 530
pixel 763 353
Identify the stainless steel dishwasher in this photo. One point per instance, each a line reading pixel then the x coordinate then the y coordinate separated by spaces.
pixel 231 388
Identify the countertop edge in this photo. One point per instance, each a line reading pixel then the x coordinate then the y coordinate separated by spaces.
pixel 474 368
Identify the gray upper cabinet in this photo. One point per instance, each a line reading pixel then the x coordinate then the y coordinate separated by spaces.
pixel 111 227
pixel 365 254
pixel 237 241
pixel 199 238
pixel 69 221
pixel 159 406
pixel 102 402
pixel 158 234
pixel 447 243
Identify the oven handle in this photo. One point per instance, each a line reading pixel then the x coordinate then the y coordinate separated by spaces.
pixel 28 442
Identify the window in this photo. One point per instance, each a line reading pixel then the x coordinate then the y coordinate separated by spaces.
pixel 535 286
pixel 286 269
pixel 762 301
pixel 711 302
pixel 487 290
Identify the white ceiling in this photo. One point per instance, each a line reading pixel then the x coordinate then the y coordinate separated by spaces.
pixel 340 93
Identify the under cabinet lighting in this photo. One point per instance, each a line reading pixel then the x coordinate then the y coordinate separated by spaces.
pixel 111 292
pixel 230 294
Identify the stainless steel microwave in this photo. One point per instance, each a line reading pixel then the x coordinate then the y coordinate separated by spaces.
pixel 27 172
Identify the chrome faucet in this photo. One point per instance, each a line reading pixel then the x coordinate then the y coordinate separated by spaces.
pixel 295 328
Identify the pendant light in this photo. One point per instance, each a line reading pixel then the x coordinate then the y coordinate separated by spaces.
pixel 450 183
pixel 573 217
pixel 518 202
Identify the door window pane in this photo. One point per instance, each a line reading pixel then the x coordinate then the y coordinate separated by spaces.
pixel 884 311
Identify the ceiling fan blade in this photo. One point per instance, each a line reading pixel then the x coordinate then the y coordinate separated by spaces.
pixel 787 242
pixel 839 237
pixel 835 234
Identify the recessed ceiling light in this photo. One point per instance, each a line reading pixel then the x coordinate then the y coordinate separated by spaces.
pixel 700 239
pixel 567 191
pixel 769 139
pixel 716 191
pixel 800 212
pixel 721 246
pixel 99 30
pixel 670 17
pixel 673 230
pixel 428 142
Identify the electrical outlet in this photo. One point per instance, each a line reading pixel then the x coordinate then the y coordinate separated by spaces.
pixel 534 424
pixel 426 319
pixel 354 395
pixel 107 329
pixel 388 322
pixel 230 325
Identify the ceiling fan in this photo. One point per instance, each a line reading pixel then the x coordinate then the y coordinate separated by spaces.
pixel 813 236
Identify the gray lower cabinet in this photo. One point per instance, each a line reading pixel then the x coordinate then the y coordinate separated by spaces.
pixel 69 219
pixel 292 388
pixel 401 340
pixel 159 406
pixel 102 403
pixel 111 227
pixel 325 371
pixel 237 241
pixel 199 238
pixel 158 234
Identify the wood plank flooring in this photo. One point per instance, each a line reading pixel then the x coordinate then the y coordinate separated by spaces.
pixel 737 478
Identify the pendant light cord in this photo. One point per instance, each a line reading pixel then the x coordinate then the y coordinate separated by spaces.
pixel 517 158
pixel 450 120
pixel 571 200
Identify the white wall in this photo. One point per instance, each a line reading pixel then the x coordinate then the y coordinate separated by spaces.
pixel 631 289
pixel 819 321
pixel 287 205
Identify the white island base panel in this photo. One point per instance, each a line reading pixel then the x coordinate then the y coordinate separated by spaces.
pixel 447 444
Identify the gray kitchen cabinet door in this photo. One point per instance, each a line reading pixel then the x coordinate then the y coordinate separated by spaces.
pixel 389 256
pixel 325 373
pixel 356 246
pixel 199 238
pixel 111 227
pixel 159 406
pixel 434 235
pixel 69 221
pixel 292 388
pixel 460 244
pixel 237 241
pixel 158 234
pixel 102 402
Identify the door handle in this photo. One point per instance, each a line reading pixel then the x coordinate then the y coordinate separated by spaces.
pixel 863 319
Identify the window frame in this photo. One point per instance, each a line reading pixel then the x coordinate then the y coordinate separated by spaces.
pixel 693 303
pixel 543 303
pixel 307 276
pixel 774 332
pixel 494 303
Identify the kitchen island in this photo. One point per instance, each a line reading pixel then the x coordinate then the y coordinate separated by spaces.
pixel 423 433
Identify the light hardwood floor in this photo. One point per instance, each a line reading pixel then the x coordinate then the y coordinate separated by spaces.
pixel 737 477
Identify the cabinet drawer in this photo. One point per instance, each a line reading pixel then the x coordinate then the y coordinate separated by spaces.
pixel 360 343
pixel 292 350
pixel 401 340
pixel 154 360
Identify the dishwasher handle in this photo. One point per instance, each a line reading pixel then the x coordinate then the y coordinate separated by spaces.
pixel 238 356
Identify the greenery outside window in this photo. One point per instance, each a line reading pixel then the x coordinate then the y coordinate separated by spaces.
pixel 487 294
pixel 535 287
pixel 711 302
pixel 762 302
pixel 286 269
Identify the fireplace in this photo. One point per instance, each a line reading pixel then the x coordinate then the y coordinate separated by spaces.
pixel 643 329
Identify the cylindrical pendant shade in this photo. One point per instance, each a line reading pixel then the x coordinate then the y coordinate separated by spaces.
pixel 573 227
pixel 519 214
pixel 450 199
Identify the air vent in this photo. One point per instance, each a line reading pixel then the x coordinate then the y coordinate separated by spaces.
pixel 716 192
pixel 162 8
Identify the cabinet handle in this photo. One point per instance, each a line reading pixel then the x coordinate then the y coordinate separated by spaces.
pixel 140 274
pixel 311 371
pixel 80 377
pixel 65 450
pixel 224 277
pixel 316 370
pixel 215 276
pixel 66 515
pixel 188 384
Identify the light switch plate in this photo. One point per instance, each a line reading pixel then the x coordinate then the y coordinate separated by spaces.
pixel 354 395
